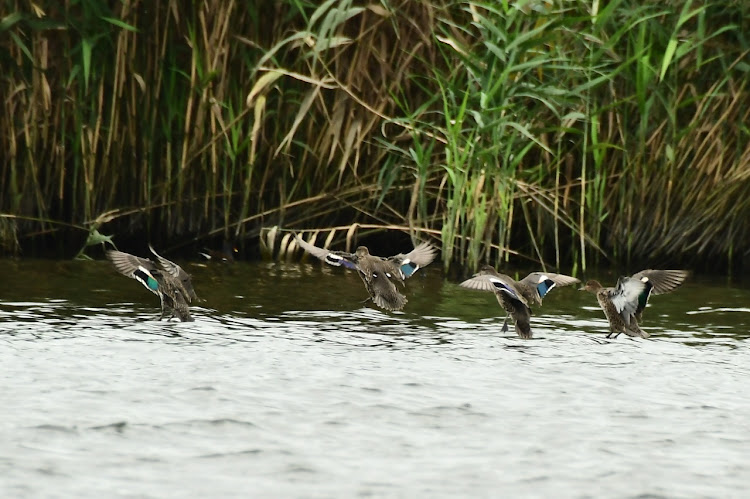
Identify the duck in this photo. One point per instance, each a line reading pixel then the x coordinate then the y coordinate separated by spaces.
pixel 623 305
pixel 170 282
pixel 517 297
pixel 379 274
pixel 225 254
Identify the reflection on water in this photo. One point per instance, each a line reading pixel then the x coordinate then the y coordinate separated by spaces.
pixel 287 385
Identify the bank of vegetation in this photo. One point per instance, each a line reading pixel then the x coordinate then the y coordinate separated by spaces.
pixel 568 132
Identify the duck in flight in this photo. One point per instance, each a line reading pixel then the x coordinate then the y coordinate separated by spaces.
pixel 623 304
pixel 517 297
pixel 379 274
pixel 168 281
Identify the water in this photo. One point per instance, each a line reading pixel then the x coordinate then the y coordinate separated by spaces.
pixel 286 386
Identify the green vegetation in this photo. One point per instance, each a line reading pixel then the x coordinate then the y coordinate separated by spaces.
pixel 562 131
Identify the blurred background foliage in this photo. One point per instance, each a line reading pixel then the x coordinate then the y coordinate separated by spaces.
pixel 564 132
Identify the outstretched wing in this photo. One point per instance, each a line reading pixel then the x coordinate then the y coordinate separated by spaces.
pixel 178 273
pixel 126 264
pixel 545 281
pixel 488 279
pixel 419 257
pixel 657 282
pixel 142 270
pixel 172 268
pixel 336 258
pixel 663 281
pixel 480 282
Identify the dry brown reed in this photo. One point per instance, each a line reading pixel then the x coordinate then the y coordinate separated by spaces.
pixel 540 130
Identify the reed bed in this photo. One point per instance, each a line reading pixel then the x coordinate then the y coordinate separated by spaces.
pixel 562 132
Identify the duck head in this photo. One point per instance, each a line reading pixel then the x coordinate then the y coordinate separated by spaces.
pixel 591 286
pixel 362 252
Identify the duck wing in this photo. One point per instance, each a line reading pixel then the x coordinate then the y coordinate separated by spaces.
pixel 178 273
pixel 419 257
pixel 335 258
pixel 481 281
pixel 625 297
pixel 488 279
pixel 545 281
pixel 657 282
pixel 663 281
pixel 142 270
pixel 126 264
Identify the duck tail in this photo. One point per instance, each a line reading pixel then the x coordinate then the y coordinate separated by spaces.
pixel 389 301
pixel 523 327
pixel 635 330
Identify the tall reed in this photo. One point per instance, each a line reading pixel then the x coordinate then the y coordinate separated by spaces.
pixel 558 132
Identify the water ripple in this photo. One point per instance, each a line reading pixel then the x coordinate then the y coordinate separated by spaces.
pixel 301 393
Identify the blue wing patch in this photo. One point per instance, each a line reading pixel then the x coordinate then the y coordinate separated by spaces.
pixel 349 265
pixel 544 287
pixel 339 261
pixel 408 268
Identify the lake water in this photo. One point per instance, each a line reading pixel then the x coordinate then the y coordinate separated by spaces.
pixel 286 385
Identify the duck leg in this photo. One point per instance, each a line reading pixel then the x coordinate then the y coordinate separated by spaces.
pixel 504 329
pixel 163 306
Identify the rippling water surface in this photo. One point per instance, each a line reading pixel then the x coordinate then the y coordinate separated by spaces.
pixel 287 385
